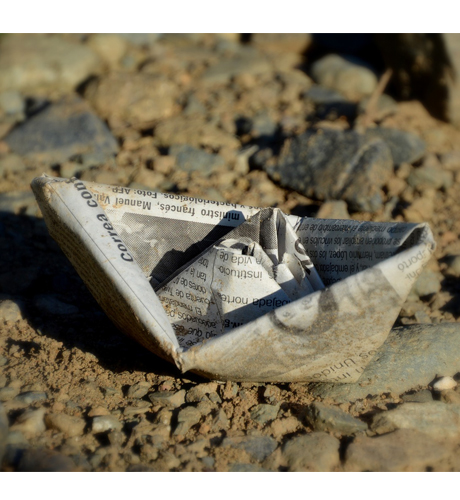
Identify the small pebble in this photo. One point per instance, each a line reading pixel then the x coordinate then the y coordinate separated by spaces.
pixel 444 384
pixel 106 423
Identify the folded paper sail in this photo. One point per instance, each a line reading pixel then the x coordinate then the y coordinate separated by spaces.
pixel 234 292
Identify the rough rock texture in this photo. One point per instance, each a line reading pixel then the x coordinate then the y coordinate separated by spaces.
pixel 62 130
pixel 410 357
pixel 328 164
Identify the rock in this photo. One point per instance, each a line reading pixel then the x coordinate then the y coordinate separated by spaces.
pixel 30 397
pixel 264 413
pixel 45 461
pixel 199 392
pixel 427 283
pixel 411 356
pixel 316 451
pixel 348 76
pixel 32 61
pixel 190 159
pixel 444 384
pixel 9 311
pixel 426 177
pixel 422 317
pixel 330 164
pixel 196 132
pixel 16 202
pixel 106 423
pixel 11 102
pixel 3 360
pixel 3 432
pixel 169 399
pixel 405 147
pixel 186 418
pixel 424 396
pixel 139 98
pixel 333 210
pixel 72 426
pixel 109 47
pixel 8 393
pixel 272 394
pixel 259 447
pixel 282 42
pixel 30 422
pixel 220 421
pixel 434 418
pixel 329 104
pixel 51 305
pixel 138 390
pixel 226 69
pixel 65 129
pixel 326 418
pixel 404 450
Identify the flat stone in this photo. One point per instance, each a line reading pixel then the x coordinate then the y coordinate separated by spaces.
pixel 138 390
pixel 106 423
pixel 10 311
pixel 348 76
pixel 65 129
pixel 30 397
pixel 186 418
pixel 34 460
pixel 259 447
pixel 404 450
pixel 424 396
pixel 169 399
pixel 51 305
pixel 138 98
pixel 32 61
pixel 317 451
pixel 322 417
pixel 405 147
pixel 190 159
pixel 410 357
pixel 330 165
pixel 437 419
pixel 264 413
pixel 72 426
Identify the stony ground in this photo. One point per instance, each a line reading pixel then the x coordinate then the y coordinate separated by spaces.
pixel 212 117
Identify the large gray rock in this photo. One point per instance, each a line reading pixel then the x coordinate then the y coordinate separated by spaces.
pixel 32 61
pixel 317 451
pixel 62 130
pixel 404 450
pixel 405 147
pixel 411 356
pixel 437 419
pixel 330 164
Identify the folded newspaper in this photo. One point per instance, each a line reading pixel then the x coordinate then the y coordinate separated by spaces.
pixel 234 292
